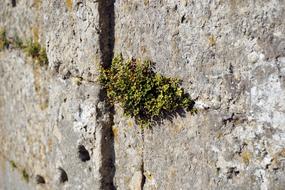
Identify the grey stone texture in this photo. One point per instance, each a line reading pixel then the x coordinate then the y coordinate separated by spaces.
pixel 229 54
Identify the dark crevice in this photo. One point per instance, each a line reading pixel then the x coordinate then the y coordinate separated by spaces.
pixel 13 3
pixel 143 176
pixel 62 175
pixel 142 162
pixel 107 169
pixel 83 154
pixel 107 30
pixel 232 172
pixel 106 42
pixel 40 179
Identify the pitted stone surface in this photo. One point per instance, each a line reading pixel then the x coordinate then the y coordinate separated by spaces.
pixel 229 54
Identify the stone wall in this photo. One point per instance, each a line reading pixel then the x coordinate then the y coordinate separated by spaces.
pixel 56 125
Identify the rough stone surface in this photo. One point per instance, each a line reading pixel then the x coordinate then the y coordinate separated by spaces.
pixel 229 54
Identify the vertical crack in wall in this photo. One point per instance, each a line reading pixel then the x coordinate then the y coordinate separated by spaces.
pixel 142 162
pixel 105 111
pixel 107 30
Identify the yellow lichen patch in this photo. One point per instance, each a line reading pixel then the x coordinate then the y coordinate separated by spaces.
pixel 246 156
pixel 1 44
pixel 212 40
pixel 56 132
pixel 177 126
pixel 42 93
pixel 37 4
pixel 220 135
pixel 115 132
pixel 148 175
pixel 44 103
pixel 37 78
pixel 130 123
pixel 97 61
pixel 277 157
pixel 69 4
pixel 35 31
pixel 185 2
pixel 77 80
pixel 143 49
pixel 50 145
pixel 127 179
pixel 172 173
pixel 282 152
pixel 146 2
pixel 2 163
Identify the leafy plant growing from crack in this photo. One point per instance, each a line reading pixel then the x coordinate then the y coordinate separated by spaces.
pixel 30 47
pixel 143 94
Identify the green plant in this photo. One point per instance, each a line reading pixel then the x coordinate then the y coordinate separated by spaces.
pixel 143 94
pixel 4 42
pixel 13 164
pixel 25 175
pixel 37 52
pixel 17 42
pixel 33 49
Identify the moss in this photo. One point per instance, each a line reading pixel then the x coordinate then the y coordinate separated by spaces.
pixel 25 175
pixel 32 47
pixel 37 52
pixel 13 164
pixel 143 94
pixel 14 42
pixel 4 42
pixel 17 42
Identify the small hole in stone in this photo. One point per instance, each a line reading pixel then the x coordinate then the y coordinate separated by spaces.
pixel 218 170
pixel 83 153
pixel 62 175
pixel 183 18
pixel 13 3
pixel 67 75
pixel 40 179
pixel 85 128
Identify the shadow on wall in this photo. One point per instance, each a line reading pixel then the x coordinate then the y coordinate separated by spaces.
pixel 13 3
pixel 106 11
pixel 107 30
